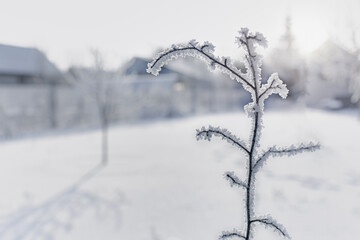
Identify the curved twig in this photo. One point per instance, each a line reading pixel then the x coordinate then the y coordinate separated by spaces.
pixel 270 87
pixel 232 234
pixel 224 65
pixel 271 223
pixel 234 180
pixel 289 151
pixel 217 132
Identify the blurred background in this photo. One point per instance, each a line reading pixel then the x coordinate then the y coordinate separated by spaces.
pixel 86 133
pixel 53 53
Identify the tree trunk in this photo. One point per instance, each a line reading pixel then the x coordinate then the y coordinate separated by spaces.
pixel 105 147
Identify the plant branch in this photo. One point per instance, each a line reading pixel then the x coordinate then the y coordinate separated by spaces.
pixel 270 87
pixel 234 180
pixel 207 134
pixel 226 235
pixel 292 150
pixel 174 50
pixel 272 223
pixel 249 194
pixel 251 57
pixel 224 65
pixel 201 51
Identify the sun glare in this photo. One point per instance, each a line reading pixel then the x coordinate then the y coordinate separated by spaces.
pixel 309 34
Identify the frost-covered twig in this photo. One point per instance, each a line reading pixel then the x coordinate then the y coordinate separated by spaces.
pixel 234 233
pixel 206 134
pixel 234 180
pixel 290 151
pixel 274 85
pixel 268 221
pixel 203 52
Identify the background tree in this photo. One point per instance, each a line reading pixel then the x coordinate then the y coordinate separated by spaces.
pixel 288 62
pixel 103 86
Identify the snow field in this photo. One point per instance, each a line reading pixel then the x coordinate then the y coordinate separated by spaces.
pixel 161 184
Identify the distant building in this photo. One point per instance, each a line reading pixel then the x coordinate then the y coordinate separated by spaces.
pixel 182 93
pixel 20 65
pixel 329 76
pixel 137 67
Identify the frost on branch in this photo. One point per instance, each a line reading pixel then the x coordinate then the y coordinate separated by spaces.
pixel 206 134
pixel 249 39
pixel 193 49
pixel 231 234
pixel 268 221
pixel 289 151
pixel 234 180
pixel 204 52
pixel 273 85
pixel 252 108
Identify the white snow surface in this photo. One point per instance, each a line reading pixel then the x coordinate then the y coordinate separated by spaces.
pixel 162 184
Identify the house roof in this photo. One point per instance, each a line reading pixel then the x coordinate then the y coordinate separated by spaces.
pixel 329 51
pixel 329 75
pixel 138 66
pixel 26 62
pixel 135 70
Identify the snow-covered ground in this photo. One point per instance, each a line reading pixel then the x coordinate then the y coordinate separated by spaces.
pixel 161 184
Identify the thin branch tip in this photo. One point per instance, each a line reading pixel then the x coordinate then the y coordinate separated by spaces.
pixel 207 134
pixel 269 222
pixel 290 151
pixel 226 235
pixel 234 180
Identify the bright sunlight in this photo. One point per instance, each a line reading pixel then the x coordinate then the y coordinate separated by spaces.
pixel 309 34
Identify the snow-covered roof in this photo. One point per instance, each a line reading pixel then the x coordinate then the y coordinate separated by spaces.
pixel 136 75
pixel 26 62
pixel 329 51
pixel 138 66
pixel 331 62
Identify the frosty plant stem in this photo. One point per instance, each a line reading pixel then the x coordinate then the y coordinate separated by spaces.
pixel 251 81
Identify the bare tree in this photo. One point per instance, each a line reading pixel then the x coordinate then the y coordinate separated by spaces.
pixel 289 63
pixel 103 87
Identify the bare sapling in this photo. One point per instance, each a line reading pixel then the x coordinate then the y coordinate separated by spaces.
pixel 251 82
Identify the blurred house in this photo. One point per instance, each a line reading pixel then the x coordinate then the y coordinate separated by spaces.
pixel 172 93
pixel 177 80
pixel 183 87
pixel 31 100
pixel 28 90
pixel 329 76
pixel 19 65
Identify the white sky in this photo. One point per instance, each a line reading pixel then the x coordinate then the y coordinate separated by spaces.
pixel 66 29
